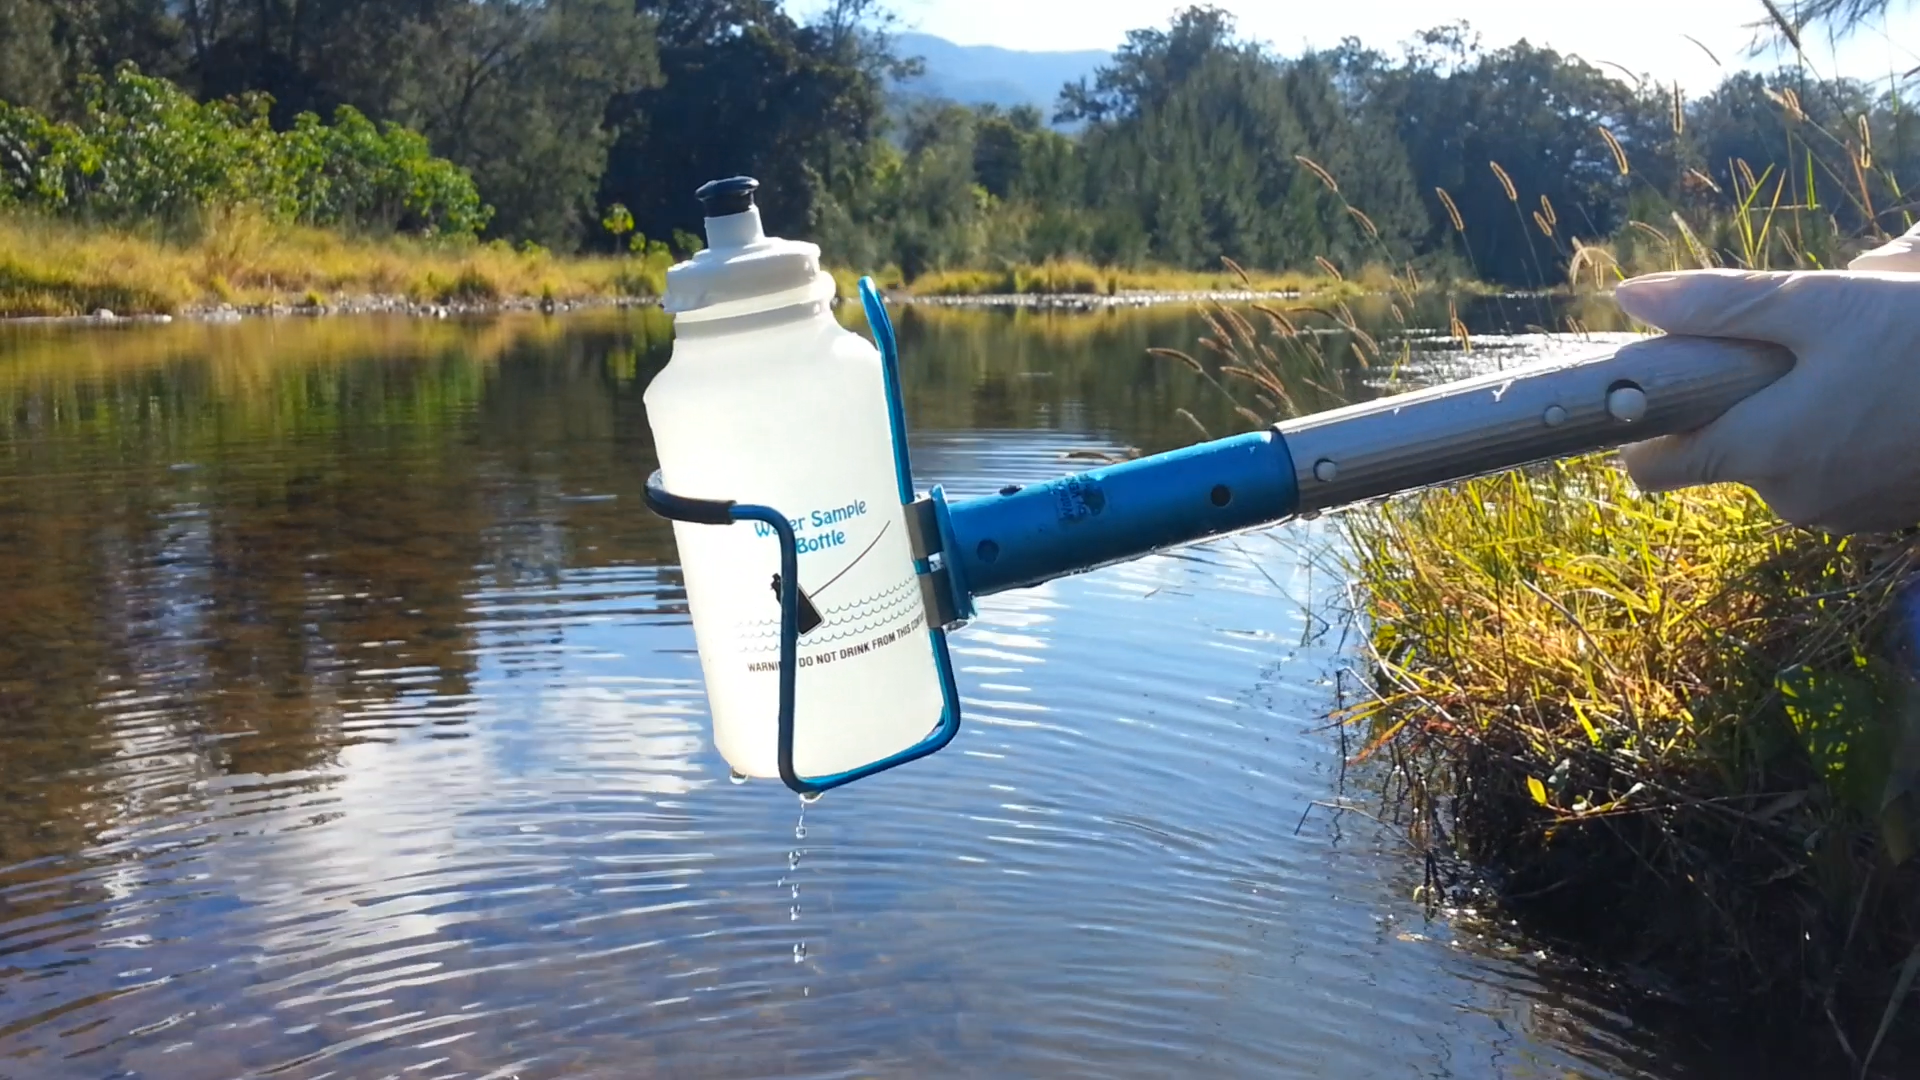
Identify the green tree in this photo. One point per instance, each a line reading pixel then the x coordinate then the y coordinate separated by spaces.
pixel 748 89
pixel 29 62
pixel 518 93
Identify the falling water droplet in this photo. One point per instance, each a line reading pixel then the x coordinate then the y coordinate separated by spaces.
pixel 811 797
pixel 799 951
pixel 736 776
pixel 793 913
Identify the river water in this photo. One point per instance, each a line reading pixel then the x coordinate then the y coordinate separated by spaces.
pixel 350 726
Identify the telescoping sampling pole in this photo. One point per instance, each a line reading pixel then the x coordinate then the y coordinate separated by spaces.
pixel 822 690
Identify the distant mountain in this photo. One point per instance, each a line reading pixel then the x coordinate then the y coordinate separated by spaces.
pixel 986 74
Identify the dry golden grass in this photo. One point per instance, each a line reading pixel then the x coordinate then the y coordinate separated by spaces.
pixel 1071 277
pixel 53 268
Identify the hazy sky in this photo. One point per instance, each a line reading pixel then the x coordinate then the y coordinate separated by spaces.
pixel 1646 36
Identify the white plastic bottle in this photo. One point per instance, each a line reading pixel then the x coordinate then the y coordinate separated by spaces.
pixel 769 400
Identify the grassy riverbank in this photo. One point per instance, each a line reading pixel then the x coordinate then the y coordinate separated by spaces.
pixel 50 268
pixel 1671 729
pixel 1074 278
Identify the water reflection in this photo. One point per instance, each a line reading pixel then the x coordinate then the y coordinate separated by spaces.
pixel 350 725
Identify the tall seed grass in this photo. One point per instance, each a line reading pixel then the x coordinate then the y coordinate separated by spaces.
pixel 1670 730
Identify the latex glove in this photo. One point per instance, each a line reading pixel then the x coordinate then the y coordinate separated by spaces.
pixel 1835 443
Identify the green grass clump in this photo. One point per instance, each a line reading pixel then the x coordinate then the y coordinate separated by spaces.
pixel 1668 724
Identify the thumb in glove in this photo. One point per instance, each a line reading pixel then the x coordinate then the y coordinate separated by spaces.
pixel 1835 443
pixel 1900 256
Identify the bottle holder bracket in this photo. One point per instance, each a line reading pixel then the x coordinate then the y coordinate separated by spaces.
pixel 945 598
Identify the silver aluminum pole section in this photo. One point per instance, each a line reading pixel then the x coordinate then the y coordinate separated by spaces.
pixel 1656 386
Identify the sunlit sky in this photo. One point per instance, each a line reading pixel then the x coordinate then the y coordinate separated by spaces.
pixel 1648 37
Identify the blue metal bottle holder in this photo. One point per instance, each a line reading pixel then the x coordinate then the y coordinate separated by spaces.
pixel 951 593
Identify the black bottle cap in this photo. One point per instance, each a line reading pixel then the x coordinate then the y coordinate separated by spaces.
pixel 721 198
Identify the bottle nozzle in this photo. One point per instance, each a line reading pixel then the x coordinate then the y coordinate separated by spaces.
pixel 732 218
pixel 721 198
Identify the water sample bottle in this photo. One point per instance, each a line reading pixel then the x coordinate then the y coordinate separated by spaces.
pixel 769 400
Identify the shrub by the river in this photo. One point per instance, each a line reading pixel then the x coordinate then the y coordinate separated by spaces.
pixel 142 151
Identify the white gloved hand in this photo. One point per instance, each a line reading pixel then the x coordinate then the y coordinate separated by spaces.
pixel 1835 443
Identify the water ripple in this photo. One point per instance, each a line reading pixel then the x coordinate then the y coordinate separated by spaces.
pixel 382 750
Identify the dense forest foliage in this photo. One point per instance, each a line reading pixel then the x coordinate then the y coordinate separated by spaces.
pixel 1192 145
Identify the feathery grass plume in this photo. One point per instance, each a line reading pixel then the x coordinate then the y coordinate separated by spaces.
pixel 1704 179
pixel 1699 252
pixel 1665 240
pixel 1619 152
pixel 1866 192
pixel 1513 196
pixel 1546 207
pixel 1246 279
pixel 1373 231
pixel 1453 212
pixel 1282 326
pixel 1314 167
pixel 1746 176
pixel 1263 379
pixel 1458 328
pixel 1679 118
pixel 1243 331
pixel 1546 226
pixel 1188 416
pixel 1365 345
pixel 1176 354
pixel 1591 256
pixel 1332 271
pixel 1866 143
pixel 1789 103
